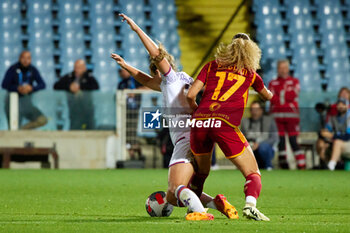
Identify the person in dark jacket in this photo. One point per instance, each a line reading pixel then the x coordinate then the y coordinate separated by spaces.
pixel 25 79
pixel 77 80
pixel 261 133
pixel 78 85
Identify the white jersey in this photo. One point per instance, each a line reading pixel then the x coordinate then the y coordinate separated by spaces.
pixel 174 91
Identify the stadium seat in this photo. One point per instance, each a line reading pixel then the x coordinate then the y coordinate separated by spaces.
pixel 306 69
pixel 134 9
pixel 268 7
pixel 334 52
pixel 337 72
pixel 270 38
pixel 338 65
pixel 274 52
pixel 67 7
pixel 10 7
pixel 305 52
pixel 103 43
pixel 310 80
pixel 71 33
pixel 337 81
pixel 10 21
pixel 333 38
pixel 10 36
pixel 40 39
pixel 9 54
pixel 300 23
pixel 326 8
pixel 301 38
pixel 164 24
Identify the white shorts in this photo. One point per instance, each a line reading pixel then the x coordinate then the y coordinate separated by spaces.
pixel 182 151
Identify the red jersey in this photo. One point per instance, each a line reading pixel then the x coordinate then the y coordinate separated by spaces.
pixel 284 103
pixel 226 92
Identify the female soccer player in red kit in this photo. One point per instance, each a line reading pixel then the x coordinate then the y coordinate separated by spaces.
pixel 227 80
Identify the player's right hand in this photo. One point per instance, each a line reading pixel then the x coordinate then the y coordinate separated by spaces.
pixel 131 22
pixel 118 59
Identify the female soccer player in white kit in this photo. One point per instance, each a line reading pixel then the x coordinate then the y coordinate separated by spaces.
pixel 172 86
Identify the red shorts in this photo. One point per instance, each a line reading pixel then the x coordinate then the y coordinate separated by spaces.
pixel 230 140
pixel 289 125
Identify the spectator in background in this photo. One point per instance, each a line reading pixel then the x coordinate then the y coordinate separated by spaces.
pixel 344 93
pixel 77 80
pixel 81 111
pixel 25 79
pixel 128 82
pixel 323 143
pixel 261 133
pixel 132 113
pixel 285 110
pixel 338 132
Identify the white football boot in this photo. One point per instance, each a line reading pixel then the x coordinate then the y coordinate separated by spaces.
pixel 251 212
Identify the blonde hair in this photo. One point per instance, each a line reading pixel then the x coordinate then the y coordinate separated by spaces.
pixel 241 52
pixel 163 53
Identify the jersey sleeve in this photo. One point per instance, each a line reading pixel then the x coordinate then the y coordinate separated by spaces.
pixel 171 75
pixel 204 73
pixel 258 84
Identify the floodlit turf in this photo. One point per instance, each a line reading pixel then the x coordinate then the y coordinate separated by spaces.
pixel 114 201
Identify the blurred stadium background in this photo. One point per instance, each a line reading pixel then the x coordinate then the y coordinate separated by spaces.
pixel 314 35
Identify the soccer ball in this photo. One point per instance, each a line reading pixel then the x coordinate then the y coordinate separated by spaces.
pixel 157 205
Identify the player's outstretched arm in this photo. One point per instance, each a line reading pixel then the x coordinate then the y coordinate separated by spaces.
pixel 265 94
pixel 152 48
pixel 193 92
pixel 141 77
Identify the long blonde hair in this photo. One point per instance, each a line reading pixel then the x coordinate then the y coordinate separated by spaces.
pixel 242 52
pixel 163 53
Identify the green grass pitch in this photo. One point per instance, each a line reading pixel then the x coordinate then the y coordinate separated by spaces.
pixel 114 201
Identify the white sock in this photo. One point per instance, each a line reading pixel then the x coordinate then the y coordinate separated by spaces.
pixel 331 165
pixel 211 205
pixel 207 201
pixel 189 199
pixel 250 200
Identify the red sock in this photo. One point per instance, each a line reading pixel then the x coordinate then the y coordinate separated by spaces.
pixel 300 158
pixel 252 185
pixel 197 182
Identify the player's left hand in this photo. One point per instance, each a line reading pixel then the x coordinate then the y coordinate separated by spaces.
pixel 131 22
pixel 118 59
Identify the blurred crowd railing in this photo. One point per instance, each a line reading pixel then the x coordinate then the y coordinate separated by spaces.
pixel 96 110
pixel 90 110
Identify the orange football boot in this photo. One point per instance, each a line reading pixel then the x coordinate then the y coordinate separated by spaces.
pixel 197 216
pixel 225 207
